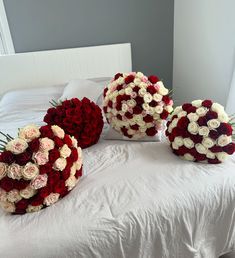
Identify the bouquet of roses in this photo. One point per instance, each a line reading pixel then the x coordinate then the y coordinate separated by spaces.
pixel 136 105
pixel 80 118
pixel 37 168
pixel 201 131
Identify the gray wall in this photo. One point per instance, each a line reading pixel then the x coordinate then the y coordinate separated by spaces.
pixel 54 24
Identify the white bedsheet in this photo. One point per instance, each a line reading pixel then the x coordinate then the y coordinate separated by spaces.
pixel 137 200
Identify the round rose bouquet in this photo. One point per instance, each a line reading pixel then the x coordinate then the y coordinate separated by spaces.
pixel 136 105
pixel 201 131
pixel 37 168
pixel 80 118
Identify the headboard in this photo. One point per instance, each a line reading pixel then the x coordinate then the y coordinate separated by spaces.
pixel 44 68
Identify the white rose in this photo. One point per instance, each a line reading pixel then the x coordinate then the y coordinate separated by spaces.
pixel 142 129
pixel 157 97
pixel 52 198
pixel 189 157
pixel 200 148
pixel 39 181
pixel 174 122
pixel 151 111
pixel 142 92
pixel 143 85
pixel 41 158
pixel 14 171
pixel 46 144
pixel 210 155
pixel 3 195
pixel 213 123
pixel 148 98
pixel 57 131
pixel 120 80
pixel 188 143
pixel 146 106
pixel 204 131
pixel 124 107
pixel 17 146
pixel 122 92
pixel 182 114
pixel 8 206
pixel 216 107
pixel 30 171
pixel 156 116
pixel 169 109
pixel 29 132
pixel 177 110
pixel 3 170
pixel 131 132
pixel 131 103
pixel 34 208
pixel 128 91
pixel 65 151
pixel 28 192
pixel 175 146
pixel 208 142
pixel 162 90
pixel 224 140
pixel 158 109
pixel 193 128
pixel 223 117
pixel 74 142
pixel 197 103
pixel 179 141
pixel 201 111
pixel 71 182
pixel 193 117
pixel 221 156
pixel 13 196
pixel 140 75
pixel 137 81
pixel 60 164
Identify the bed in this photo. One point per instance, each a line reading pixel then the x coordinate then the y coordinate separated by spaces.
pixel 136 199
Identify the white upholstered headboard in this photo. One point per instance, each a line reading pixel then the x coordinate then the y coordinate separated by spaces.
pixel 44 68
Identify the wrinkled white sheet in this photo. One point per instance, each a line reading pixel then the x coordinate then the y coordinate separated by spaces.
pixel 137 200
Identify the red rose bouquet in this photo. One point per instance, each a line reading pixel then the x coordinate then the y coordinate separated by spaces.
pixel 201 131
pixel 136 105
pixel 37 168
pixel 80 118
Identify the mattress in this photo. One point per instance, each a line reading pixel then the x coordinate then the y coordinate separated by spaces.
pixel 136 200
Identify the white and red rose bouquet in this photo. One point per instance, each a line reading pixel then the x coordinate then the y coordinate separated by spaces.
pixel 37 168
pixel 136 105
pixel 80 118
pixel 201 131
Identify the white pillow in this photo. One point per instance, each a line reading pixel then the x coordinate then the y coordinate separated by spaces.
pixel 114 135
pixel 80 88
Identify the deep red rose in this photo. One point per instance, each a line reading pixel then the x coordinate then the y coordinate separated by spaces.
pixel 171 137
pixel 119 117
pixel 34 145
pixel 148 119
pixel 207 103
pixel 128 115
pixel 186 106
pixel 135 127
pixel 151 131
pixel 118 75
pixel 36 200
pixel 67 140
pixel 151 89
pixel 46 131
pixel 44 192
pixel 20 184
pixel 200 157
pixel 225 128
pixel 119 87
pixel 105 91
pixel 45 169
pixel 129 79
pixel 164 114
pixel 60 187
pixel 191 109
pixel 66 173
pixel 211 115
pixel 153 79
pixel 7 184
pixel 214 134
pixel 137 110
pixel 126 97
pixel 183 123
pixel 153 103
pixel 202 121
pixel 139 100
pixel 7 157
pixel 230 148
pixel 177 131
pixel 23 158
pixel 70 161
pixel 54 155
pixel 22 204
pixel 196 138
pixel 78 173
pixel 110 104
pixel 183 150
pixel 166 99
pixel 214 161
pixel 105 109
pixel 136 89
pixel 53 178
pixel 74 154
pixel 215 149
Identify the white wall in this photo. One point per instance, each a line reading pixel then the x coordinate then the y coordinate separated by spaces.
pixel 204 49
